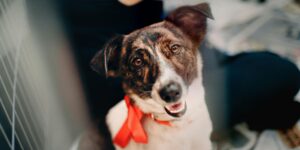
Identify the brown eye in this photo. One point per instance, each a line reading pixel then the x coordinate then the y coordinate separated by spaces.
pixel 175 48
pixel 138 62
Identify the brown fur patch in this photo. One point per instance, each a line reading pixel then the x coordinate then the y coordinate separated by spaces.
pixel 145 44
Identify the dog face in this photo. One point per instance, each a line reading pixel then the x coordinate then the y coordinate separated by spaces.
pixel 158 63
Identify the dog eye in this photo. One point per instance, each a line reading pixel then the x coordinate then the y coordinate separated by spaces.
pixel 175 48
pixel 137 62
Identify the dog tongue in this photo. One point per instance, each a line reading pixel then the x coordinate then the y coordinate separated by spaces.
pixel 175 107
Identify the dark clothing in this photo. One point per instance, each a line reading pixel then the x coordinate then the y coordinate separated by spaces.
pixel 261 89
pixel 89 24
pixel 255 87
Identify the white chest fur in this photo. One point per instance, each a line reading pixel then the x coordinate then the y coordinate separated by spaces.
pixel 191 132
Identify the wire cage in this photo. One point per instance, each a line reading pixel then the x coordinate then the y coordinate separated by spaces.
pixel 38 81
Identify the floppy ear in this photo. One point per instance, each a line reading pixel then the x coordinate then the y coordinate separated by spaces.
pixel 191 20
pixel 107 60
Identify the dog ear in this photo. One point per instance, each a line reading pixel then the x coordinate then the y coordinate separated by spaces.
pixel 191 20
pixel 107 60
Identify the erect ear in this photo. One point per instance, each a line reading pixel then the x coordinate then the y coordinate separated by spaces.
pixel 107 60
pixel 191 20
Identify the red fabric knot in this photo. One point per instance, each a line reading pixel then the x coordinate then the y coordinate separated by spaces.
pixel 132 127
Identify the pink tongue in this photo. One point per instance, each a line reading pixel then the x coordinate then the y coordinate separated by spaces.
pixel 176 106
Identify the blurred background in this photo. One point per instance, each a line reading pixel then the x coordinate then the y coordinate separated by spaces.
pixel 50 98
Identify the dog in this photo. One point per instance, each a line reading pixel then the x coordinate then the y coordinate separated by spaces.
pixel 161 71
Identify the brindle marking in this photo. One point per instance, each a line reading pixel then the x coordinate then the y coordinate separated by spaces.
pixel 177 39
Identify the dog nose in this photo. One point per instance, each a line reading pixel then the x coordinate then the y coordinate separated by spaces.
pixel 171 92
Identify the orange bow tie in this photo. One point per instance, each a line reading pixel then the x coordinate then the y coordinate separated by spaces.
pixel 132 127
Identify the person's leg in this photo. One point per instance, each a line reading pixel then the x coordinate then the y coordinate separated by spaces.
pixel 261 88
pixel 214 84
pixel 257 88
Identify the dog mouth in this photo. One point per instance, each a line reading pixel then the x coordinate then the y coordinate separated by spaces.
pixel 176 109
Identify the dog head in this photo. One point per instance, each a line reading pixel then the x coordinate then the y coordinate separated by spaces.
pixel 158 63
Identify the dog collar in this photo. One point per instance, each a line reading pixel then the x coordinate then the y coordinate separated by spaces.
pixel 132 128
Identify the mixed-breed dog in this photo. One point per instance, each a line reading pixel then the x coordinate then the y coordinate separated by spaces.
pixel 161 71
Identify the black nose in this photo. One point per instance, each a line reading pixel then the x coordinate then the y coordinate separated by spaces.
pixel 171 92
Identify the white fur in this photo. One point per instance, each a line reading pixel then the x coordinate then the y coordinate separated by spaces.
pixel 190 132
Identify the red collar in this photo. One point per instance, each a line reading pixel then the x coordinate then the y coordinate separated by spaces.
pixel 132 127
